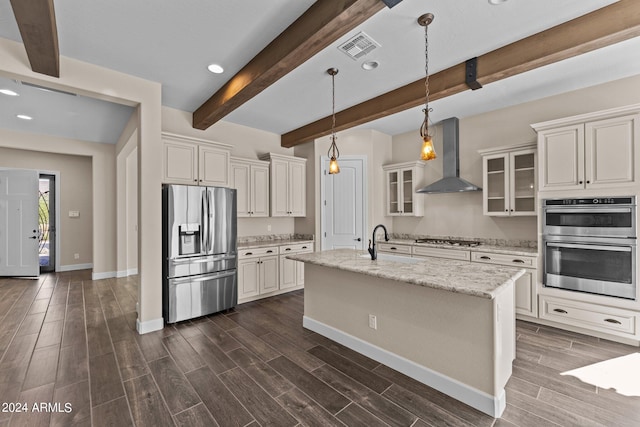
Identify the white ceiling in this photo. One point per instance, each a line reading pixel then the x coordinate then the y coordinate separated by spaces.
pixel 173 42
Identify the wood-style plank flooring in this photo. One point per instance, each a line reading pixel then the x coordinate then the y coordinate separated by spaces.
pixel 69 343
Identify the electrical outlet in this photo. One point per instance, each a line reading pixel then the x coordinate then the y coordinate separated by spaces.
pixel 373 321
pixel 76 256
pixel 268 227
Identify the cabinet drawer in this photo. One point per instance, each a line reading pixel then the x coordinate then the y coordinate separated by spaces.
pixel 503 259
pixel 589 316
pixel 256 252
pixel 441 253
pixel 296 248
pixel 394 248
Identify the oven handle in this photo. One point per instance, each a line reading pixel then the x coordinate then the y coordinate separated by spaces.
pixel 592 247
pixel 593 210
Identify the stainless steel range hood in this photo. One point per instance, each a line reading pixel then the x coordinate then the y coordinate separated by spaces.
pixel 451 181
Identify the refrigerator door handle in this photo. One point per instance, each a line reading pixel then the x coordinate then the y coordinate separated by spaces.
pixel 203 278
pixel 202 260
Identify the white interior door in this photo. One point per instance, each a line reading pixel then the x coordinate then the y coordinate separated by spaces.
pixel 19 223
pixel 343 213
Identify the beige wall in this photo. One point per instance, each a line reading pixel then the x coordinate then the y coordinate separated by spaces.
pixel 246 142
pixel 374 146
pixel 460 214
pixel 98 82
pixel 74 234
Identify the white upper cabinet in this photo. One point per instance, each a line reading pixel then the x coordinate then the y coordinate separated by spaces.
pixel 194 161
pixel 591 151
pixel 288 185
pixel 251 180
pixel 509 180
pixel 402 181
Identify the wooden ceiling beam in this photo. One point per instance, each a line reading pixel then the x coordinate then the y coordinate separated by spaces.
pixel 37 23
pixel 322 24
pixel 606 26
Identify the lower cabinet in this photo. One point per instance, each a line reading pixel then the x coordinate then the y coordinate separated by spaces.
pixel 593 317
pixel 257 272
pixel 266 271
pixel 526 286
pixel 425 251
pixel 292 272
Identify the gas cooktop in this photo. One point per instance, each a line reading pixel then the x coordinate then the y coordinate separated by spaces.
pixel 451 242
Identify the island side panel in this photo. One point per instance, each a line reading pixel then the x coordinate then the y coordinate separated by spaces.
pixel 450 333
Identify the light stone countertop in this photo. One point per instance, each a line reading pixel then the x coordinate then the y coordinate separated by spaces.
pixel 272 242
pixel 507 250
pixel 480 280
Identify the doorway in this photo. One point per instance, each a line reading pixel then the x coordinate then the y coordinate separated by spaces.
pixel 344 204
pixel 47 222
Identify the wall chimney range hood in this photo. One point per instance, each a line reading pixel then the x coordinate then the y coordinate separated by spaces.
pixel 451 181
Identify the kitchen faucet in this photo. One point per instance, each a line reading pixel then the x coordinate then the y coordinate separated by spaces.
pixel 372 243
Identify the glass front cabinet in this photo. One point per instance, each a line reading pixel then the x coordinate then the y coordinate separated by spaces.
pixel 509 180
pixel 402 180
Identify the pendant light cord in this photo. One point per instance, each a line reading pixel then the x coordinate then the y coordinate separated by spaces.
pixel 424 129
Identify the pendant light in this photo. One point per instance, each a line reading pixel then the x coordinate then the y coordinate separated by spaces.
pixel 427 152
pixel 333 152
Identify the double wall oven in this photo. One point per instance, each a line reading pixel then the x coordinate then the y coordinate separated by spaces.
pixel 590 245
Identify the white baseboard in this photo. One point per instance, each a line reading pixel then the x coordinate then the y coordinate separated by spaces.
pixel 103 275
pixel 491 405
pixel 126 273
pixel 149 325
pixel 74 267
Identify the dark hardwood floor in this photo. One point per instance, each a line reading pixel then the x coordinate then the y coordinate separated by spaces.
pixel 68 346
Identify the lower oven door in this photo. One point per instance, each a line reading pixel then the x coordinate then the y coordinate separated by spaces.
pixel 597 266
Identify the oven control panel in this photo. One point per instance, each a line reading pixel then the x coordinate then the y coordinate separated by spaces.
pixel 591 201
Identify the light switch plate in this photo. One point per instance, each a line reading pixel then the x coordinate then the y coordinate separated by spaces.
pixel 74 214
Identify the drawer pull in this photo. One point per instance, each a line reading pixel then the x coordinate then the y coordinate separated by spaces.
pixel 287 249
pixel 485 257
pixel 249 253
pixel 613 321
pixel 519 261
pixel 559 310
pixel 269 251
pixel 393 248
pixel 304 247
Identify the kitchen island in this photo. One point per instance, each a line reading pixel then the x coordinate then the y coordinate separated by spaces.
pixel 448 324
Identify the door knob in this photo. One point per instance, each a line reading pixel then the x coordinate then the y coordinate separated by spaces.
pixel 358 239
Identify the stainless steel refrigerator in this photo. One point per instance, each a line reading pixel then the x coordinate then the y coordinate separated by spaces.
pixel 199 251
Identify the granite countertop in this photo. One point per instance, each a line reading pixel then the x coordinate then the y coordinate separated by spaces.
pixel 508 250
pixel 272 242
pixel 480 280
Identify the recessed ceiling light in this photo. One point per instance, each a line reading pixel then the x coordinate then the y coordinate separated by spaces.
pixel 215 68
pixel 497 2
pixel 8 92
pixel 370 65
pixel 24 117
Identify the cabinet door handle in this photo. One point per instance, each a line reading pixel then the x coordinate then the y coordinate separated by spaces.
pixel 579 182
pixel 588 182
pixel 506 210
pixel 613 320
pixel 559 310
pixel 485 257
pixel 519 261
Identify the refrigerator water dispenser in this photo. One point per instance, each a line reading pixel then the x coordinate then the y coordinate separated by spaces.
pixel 189 237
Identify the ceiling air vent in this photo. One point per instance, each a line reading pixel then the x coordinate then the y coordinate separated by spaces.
pixel 358 46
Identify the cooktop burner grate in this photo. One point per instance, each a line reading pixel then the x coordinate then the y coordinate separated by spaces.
pixel 451 242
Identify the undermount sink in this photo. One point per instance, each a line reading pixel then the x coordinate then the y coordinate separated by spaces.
pixel 395 258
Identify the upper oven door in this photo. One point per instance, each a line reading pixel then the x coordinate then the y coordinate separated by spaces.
pixel 595 221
